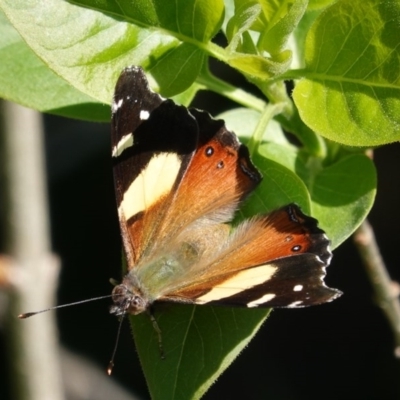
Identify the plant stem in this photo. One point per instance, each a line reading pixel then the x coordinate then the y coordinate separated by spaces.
pixel 386 291
pixel 270 110
pixel 32 344
pixel 240 96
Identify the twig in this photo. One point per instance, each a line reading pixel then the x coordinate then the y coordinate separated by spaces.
pixel 386 291
pixel 32 274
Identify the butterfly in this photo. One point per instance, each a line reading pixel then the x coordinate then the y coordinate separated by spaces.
pixel 180 176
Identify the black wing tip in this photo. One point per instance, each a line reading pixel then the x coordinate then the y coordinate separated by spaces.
pixel 325 295
pixel 132 72
pixel 131 78
pixel 335 294
pixel 133 68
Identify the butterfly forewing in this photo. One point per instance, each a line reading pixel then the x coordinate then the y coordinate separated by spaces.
pixel 172 159
pixel 152 144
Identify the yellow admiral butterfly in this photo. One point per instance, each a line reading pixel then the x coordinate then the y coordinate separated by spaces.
pixel 180 176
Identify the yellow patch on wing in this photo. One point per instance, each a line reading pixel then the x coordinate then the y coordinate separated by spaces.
pixel 155 181
pixel 238 283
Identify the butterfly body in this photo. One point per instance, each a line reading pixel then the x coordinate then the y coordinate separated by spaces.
pixel 180 176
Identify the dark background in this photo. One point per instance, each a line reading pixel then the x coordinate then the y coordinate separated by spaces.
pixel 342 350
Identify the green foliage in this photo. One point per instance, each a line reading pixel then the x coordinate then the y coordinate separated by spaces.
pixel 343 58
pixel 351 73
pixel 199 343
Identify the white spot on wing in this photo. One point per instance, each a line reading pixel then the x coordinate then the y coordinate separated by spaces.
pixel 125 142
pixel 298 288
pixel 295 304
pixel 144 114
pixel 153 182
pixel 243 280
pixel 262 300
pixel 117 105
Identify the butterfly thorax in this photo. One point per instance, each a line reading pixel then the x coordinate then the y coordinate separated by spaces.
pixel 159 273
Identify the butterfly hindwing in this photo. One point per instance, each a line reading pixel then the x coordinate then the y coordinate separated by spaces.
pixel 276 260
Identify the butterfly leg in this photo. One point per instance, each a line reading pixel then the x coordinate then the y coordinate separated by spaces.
pixel 158 331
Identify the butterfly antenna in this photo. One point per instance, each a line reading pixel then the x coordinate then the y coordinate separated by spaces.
pixel 158 330
pixel 31 314
pixel 111 363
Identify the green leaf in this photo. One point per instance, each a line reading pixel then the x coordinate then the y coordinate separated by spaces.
pixel 343 195
pixel 187 19
pixel 318 4
pixel 275 39
pixel 88 47
pixel 91 49
pixel 312 142
pixel 25 79
pixel 199 343
pixel 299 37
pixel 288 156
pixel 244 121
pixel 280 186
pixel 272 11
pixel 351 87
pixel 241 21
pixel 190 59
pixel 275 23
